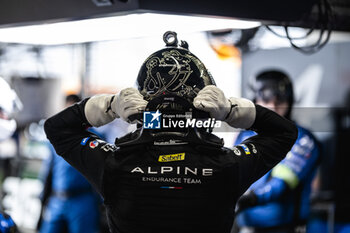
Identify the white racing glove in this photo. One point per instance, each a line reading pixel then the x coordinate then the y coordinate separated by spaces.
pixel 237 112
pixel 102 109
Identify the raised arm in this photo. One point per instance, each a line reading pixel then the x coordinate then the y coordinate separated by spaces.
pixel 67 131
pixel 275 137
pixel 258 154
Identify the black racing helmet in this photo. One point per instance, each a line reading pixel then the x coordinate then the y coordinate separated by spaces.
pixel 274 84
pixel 173 70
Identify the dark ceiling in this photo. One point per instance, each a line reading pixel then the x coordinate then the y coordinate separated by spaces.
pixel 302 13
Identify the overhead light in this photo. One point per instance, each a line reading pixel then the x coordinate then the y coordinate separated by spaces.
pixel 117 27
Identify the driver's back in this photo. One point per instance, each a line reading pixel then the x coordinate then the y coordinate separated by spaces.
pixel 181 188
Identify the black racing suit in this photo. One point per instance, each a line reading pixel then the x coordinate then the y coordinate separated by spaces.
pixel 175 187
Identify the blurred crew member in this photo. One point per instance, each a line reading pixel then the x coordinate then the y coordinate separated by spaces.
pixel 9 104
pixel 166 178
pixel 281 197
pixel 72 205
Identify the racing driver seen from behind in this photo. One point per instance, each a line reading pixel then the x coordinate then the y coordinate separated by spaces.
pixel 170 180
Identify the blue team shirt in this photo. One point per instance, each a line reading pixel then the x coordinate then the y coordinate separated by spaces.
pixel 287 184
pixel 65 178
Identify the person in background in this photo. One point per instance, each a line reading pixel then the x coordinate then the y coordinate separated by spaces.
pixel 71 205
pixel 9 104
pixel 279 200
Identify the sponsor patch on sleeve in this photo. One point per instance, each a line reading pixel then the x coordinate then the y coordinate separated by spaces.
pixel 98 143
pixel 248 149
pixel 245 148
pixel 108 147
pixel 236 151
pixel 93 144
pixel 254 150
pixel 171 157
pixel 84 141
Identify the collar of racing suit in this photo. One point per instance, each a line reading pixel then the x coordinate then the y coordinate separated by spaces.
pixel 192 136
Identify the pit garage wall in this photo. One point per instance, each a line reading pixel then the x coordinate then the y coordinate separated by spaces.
pixel 321 79
pixel 321 83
